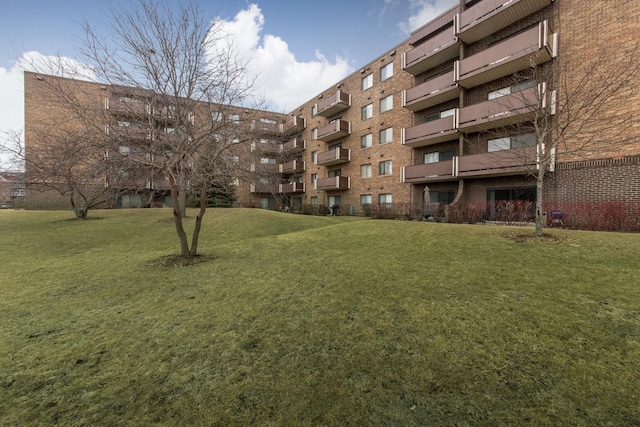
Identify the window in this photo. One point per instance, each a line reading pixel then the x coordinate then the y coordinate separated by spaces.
pixel 384 168
pixel 499 144
pixel 314 157
pixel 365 171
pixel 267 161
pixel 334 173
pixel 511 89
pixel 367 112
pixel 385 199
pixel 365 199
pixel 440 115
pixel 314 133
pixel 314 178
pixel 367 82
pixel 444 197
pixel 386 135
pixel 386 71
pixel 386 103
pixel 314 110
pixel 297 179
pixel 267 121
pixel 366 140
pixel 123 149
pixel 438 156
pixel 314 201
pixel 235 159
pixel 234 118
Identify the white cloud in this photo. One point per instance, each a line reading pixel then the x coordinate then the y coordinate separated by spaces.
pixel 282 81
pixel 423 11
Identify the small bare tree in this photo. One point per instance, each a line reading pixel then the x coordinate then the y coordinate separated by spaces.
pixel 571 111
pixel 187 75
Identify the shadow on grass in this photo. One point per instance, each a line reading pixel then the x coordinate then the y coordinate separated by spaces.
pixel 179 261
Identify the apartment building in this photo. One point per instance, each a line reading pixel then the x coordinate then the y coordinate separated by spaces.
pixel 449 116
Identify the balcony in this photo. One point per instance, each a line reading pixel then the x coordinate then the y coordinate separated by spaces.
pixel 294 187
pixel 267 147
pixel 441 48
pixel 489 16
pixel 334 157
pixel 266 127
pixel 264 188
pixel 130 133
pixel 333 183
pixel 429 172
pixel 294 145
pixel 129 107
pixel 294 125
pixel 432 92
pixel 503 111
pixel 433 132
pixel 516 161
pixel 334 130
pixel 517 53
pixel 291 167
pixel 340 101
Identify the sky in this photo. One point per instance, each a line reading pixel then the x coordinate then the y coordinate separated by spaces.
pixel 297 48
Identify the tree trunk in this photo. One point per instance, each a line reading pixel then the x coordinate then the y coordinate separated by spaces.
pixel 203 207
pixel 177 220
pixel 540 199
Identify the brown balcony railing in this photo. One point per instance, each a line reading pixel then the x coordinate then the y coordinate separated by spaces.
pixel 134 107
pixel 505 110
pixel 130 133
pixel 268 147
pixel 333 104
pixel 489 16
pixel 268 127
pixel 293 145
pixel 429 172
pixel 293 187
pixel 435 51
pixel 432 132
pixel 517 53
pixel 334 130
pixel 292 167
pixel 333 183
pixel 294 125
pixel 432 92
pixel 334 157
pixel 506 162
pixel 264 188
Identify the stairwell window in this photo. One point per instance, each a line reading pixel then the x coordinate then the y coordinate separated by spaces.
pixel 386 71
pixel 386 103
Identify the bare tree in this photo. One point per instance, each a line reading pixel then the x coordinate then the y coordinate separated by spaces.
pixel 570 110
pixel 185 74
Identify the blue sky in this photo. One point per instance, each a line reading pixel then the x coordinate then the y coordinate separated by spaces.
pixel 302 47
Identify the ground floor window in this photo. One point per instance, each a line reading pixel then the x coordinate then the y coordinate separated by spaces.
pixel 444 197
pixel 334 204
pixel 511 204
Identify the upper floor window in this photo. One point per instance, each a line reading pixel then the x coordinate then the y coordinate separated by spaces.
pixel 386 135
pixel 365 171
pixel 519 141
pixel 511 89
pixel 234 118
pixel 367 112
pixel 438 156
pixel 367 82
pixel 314 133
pixel 384 168
pixel 386 103
pixel 440 115
pixel 267 161
pixel 314 157
pixel 386 71
pixel 314 177
pixel 314 110
pixel 366 140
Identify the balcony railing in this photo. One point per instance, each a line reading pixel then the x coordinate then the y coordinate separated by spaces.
pixel 506 162
pixel 267 127
pixel 133 107
pixel 291 167
pixel 334 130
pixel 269 147
pixel 432 132
pixel 264 188
pixel 517 53
pixel 489 16
pixel 333 183
pixel 333 104
pixel 129 133
pixel 503 111
pixel 432 92
pixel 294 125
pixel 294 187
pixel 435 51
pixel 429 172
pixel 294 145
pixel 334 157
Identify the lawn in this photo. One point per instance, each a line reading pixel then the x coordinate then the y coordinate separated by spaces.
pixel 315 321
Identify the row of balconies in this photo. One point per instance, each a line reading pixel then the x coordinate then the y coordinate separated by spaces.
pixel 503 111
pixel 497 163
pixel 531 47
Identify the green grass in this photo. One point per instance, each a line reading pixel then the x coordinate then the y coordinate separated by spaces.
pixel 304 321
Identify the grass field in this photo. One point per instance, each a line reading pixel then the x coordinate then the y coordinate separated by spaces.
pixel 312 321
